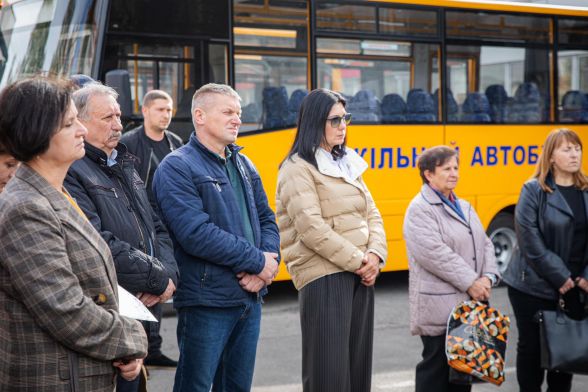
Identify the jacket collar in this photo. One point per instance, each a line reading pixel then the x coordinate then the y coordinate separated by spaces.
pixel 34 179
pixel 356 164
pixel 556 200
pixel 195 143
pixel 431 197
pixel 97 155
pixel 68 214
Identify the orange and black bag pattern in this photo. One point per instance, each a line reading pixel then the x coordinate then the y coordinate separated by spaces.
pixel 476 341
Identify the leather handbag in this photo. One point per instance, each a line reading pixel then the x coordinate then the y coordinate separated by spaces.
pixel 564 341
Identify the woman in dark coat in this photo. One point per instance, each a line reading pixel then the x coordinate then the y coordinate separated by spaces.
pixel 552 229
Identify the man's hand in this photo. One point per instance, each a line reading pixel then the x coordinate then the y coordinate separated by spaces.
pixel 270 269
pixel 148 299
pixel 567 286
pixel 129 370
pixel 582 283
pixel 480 289
pixel 168 293
pixel 251 283
pixel 369 270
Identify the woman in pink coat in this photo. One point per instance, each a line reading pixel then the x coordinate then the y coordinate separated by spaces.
pixel 450 260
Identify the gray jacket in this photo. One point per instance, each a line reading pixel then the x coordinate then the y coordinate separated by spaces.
pixel 446 255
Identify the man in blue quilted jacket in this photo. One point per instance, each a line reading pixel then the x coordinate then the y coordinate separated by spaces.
pixel 226 244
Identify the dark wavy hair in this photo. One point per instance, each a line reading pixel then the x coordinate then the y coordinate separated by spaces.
pixel 32 111
pixel 312 119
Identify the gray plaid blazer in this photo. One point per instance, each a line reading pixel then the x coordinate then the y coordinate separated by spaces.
pixel 58 297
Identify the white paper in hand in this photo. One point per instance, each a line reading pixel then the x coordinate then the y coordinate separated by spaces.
pixel 131 306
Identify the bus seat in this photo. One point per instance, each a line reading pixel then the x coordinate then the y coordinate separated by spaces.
pixel 420 107
pixel 251 113
pixel 452 107
pixel 393 109
pixel 498 100
pixel 476 108
pixel 275 107
pixel 364 106
pixel 574 107
pixel 295 101
pixel 526 107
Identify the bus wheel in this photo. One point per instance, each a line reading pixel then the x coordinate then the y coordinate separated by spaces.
pixel 502 233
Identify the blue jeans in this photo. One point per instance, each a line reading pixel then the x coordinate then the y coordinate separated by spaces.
pixel 217 348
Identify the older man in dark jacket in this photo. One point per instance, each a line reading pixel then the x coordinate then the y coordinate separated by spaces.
pixel 112 195
pixel 226 243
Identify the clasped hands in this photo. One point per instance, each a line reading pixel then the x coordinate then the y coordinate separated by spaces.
pixel 369 269
pixel 151 299
pixel 129 370
pixel 569 284
pixel 480 290
pixel 254 283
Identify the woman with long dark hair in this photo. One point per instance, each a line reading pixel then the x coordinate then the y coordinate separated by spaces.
pixel 333 243
pixel 552 231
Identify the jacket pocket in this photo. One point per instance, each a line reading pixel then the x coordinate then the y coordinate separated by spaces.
pixel 104 191
pixel 434 309
pixel 436 301
pixel 209 184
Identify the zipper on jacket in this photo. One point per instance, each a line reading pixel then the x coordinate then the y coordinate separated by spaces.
pixel 130 208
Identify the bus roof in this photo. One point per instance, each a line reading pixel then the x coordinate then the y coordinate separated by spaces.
pixel 509 6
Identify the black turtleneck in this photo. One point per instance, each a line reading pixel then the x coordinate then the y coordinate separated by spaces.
pixel 575 199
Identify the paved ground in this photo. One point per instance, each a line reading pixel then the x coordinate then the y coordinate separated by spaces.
pixel 395 352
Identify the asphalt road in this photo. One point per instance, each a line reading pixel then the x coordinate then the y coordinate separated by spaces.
pixel 396 352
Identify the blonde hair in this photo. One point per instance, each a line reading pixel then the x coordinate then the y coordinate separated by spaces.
pixel 543 168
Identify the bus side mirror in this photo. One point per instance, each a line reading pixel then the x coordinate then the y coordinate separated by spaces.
pixel 119 80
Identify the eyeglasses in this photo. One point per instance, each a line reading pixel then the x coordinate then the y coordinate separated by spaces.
pixel 336 121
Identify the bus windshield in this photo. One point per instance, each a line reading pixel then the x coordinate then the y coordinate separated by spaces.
pixel 48 36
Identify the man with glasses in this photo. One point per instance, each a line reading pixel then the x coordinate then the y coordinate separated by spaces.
pixel 213 203
pixel 111 194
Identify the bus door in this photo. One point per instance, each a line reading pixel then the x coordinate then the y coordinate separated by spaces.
pixel 176 49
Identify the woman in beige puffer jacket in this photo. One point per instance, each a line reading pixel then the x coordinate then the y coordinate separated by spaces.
pixel 333 243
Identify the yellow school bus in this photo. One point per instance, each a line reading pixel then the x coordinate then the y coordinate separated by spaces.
pixel 488 78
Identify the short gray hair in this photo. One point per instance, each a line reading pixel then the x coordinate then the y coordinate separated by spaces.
pixel 82 96
pixel 200 96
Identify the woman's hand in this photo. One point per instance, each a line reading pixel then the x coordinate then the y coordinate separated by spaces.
pixel 369 270
pixel 480 289
pixel 129 370
pixel 582 283
pixel 567 286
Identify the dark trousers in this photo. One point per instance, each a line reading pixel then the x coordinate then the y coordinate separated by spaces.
pixel 432 372
pixel 337 322
pixel 152 330
pixel 123 385
pixel 529 373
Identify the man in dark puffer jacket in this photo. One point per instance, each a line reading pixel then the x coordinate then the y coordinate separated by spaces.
pixel 112 195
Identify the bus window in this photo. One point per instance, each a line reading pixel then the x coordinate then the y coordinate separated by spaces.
pixel 573 71
pixel 384 82
pixel 492 84
pixel 501 82
pixel 61 46
pixel 573 86
pixel 267 86
pixel 331 15
pixel 174 68
pixel 271 66
pixel 397 21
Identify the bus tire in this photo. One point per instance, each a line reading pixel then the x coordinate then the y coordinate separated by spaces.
pixel 502 234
